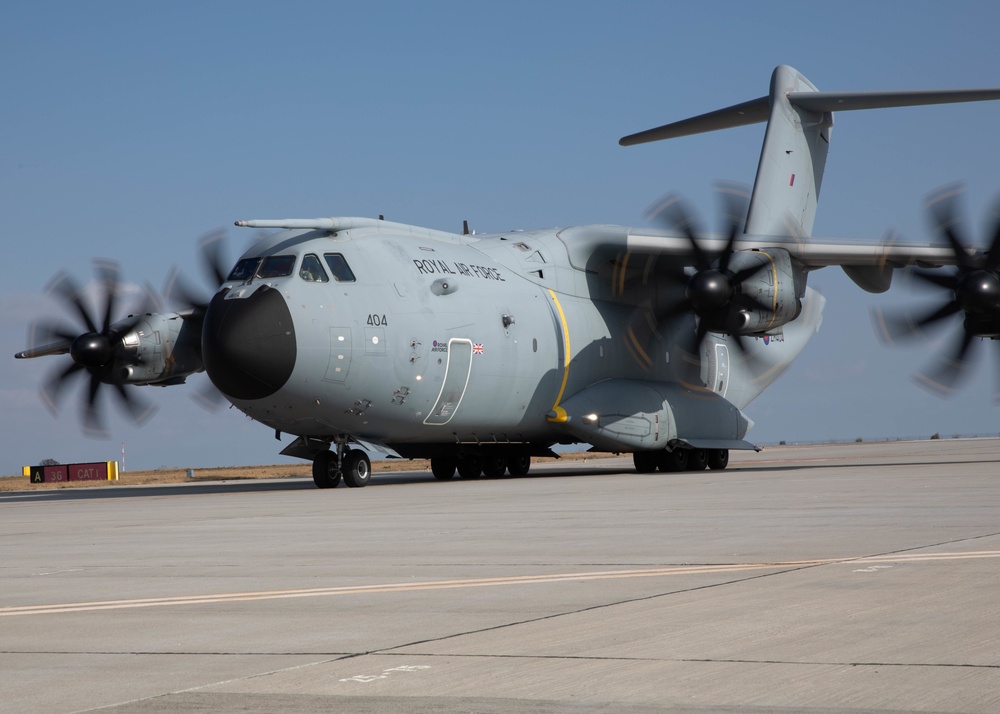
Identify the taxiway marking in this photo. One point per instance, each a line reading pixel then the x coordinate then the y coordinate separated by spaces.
pixel 480 582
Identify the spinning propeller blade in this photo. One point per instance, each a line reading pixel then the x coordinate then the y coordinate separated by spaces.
pixel 972 288
pixel 178 289
pixel 98 350
pixel 714 292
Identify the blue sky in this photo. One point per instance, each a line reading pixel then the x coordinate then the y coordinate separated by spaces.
pixel 130 129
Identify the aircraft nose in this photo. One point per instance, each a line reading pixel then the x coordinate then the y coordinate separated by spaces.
pixel 248 344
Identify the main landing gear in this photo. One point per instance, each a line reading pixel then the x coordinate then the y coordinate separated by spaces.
pixel 353 466
pixel 493 465
pixel 680 460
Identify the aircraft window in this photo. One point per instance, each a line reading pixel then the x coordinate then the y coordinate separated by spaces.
pixel 312 270
pixel 276 266
pixel 244 270
pixel 342 272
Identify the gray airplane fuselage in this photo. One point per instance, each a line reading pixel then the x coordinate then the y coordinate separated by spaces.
pixel 449 339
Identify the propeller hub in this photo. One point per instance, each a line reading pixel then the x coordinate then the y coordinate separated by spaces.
pixel 978 292
pixel 709 291
pixel 92 349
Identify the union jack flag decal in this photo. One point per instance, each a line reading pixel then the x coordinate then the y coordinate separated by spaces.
pixel 477 348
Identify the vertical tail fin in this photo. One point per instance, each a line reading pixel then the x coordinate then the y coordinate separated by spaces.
pixel 792 160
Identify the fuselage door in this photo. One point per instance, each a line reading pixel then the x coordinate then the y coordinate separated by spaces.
pixel 456 379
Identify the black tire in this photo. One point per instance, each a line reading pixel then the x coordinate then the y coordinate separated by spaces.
pixel 470 466
pixel 697 459
pixel 325 471
pixel 443 467
pixel 357 469
pixel 673 461
pixel 645 461
pixel 494 466
pixel 718 459
pixel 519 465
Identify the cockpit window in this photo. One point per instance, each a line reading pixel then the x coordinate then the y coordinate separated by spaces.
pixel 312 270
pixel 276 266
pixel 244 270
pixel 342 272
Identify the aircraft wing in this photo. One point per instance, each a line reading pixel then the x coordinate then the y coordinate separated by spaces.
pixel 869 263
pixel 810 253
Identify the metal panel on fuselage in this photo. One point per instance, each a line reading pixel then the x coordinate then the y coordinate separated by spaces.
pixel 388 332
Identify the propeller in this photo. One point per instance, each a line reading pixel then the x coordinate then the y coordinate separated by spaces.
pixel 98 351
pixel 193 303
pixel 974 287
pixel 714 291
pixel 178 289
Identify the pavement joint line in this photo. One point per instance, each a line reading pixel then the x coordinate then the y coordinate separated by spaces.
pixel 592 608
pixel 341 656
pixel 803 566
pixel 694 660
pixel 246 678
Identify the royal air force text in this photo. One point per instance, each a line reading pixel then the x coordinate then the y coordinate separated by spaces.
pixel 439 267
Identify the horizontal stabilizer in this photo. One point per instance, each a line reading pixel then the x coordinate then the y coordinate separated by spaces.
pixel 848 101
pixel 753 112
pixel 757 111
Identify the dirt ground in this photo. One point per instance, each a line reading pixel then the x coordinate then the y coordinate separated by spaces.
pixel 234 473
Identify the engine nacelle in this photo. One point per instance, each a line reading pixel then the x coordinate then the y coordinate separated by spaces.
pixel 162 349
pixel 778 284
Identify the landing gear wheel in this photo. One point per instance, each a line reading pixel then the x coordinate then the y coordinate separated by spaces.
pixel 519 465
pixel 325 471
pixel 673 461
pixel 718 459
pixel 443 467
pixel 357 468
pixel 697 459
pixel 645 461
pixel 470 466
pixel 494 466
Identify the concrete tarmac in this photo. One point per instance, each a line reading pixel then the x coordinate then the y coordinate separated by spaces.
pixel 847 578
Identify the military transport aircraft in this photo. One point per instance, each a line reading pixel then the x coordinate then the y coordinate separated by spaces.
pixel 482 351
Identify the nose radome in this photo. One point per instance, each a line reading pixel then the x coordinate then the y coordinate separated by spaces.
pixel 248 344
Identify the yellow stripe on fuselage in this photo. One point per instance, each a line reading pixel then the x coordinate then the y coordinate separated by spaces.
pixel 774 298
pixel 560 412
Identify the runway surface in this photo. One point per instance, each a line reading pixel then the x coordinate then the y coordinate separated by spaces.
pixel 861 577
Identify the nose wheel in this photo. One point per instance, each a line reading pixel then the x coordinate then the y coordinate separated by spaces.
pixel 354 467
pixel 326 471
pixel 357 468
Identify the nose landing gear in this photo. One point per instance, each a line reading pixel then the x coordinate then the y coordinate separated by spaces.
pixel 326 471
pixel 353 466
